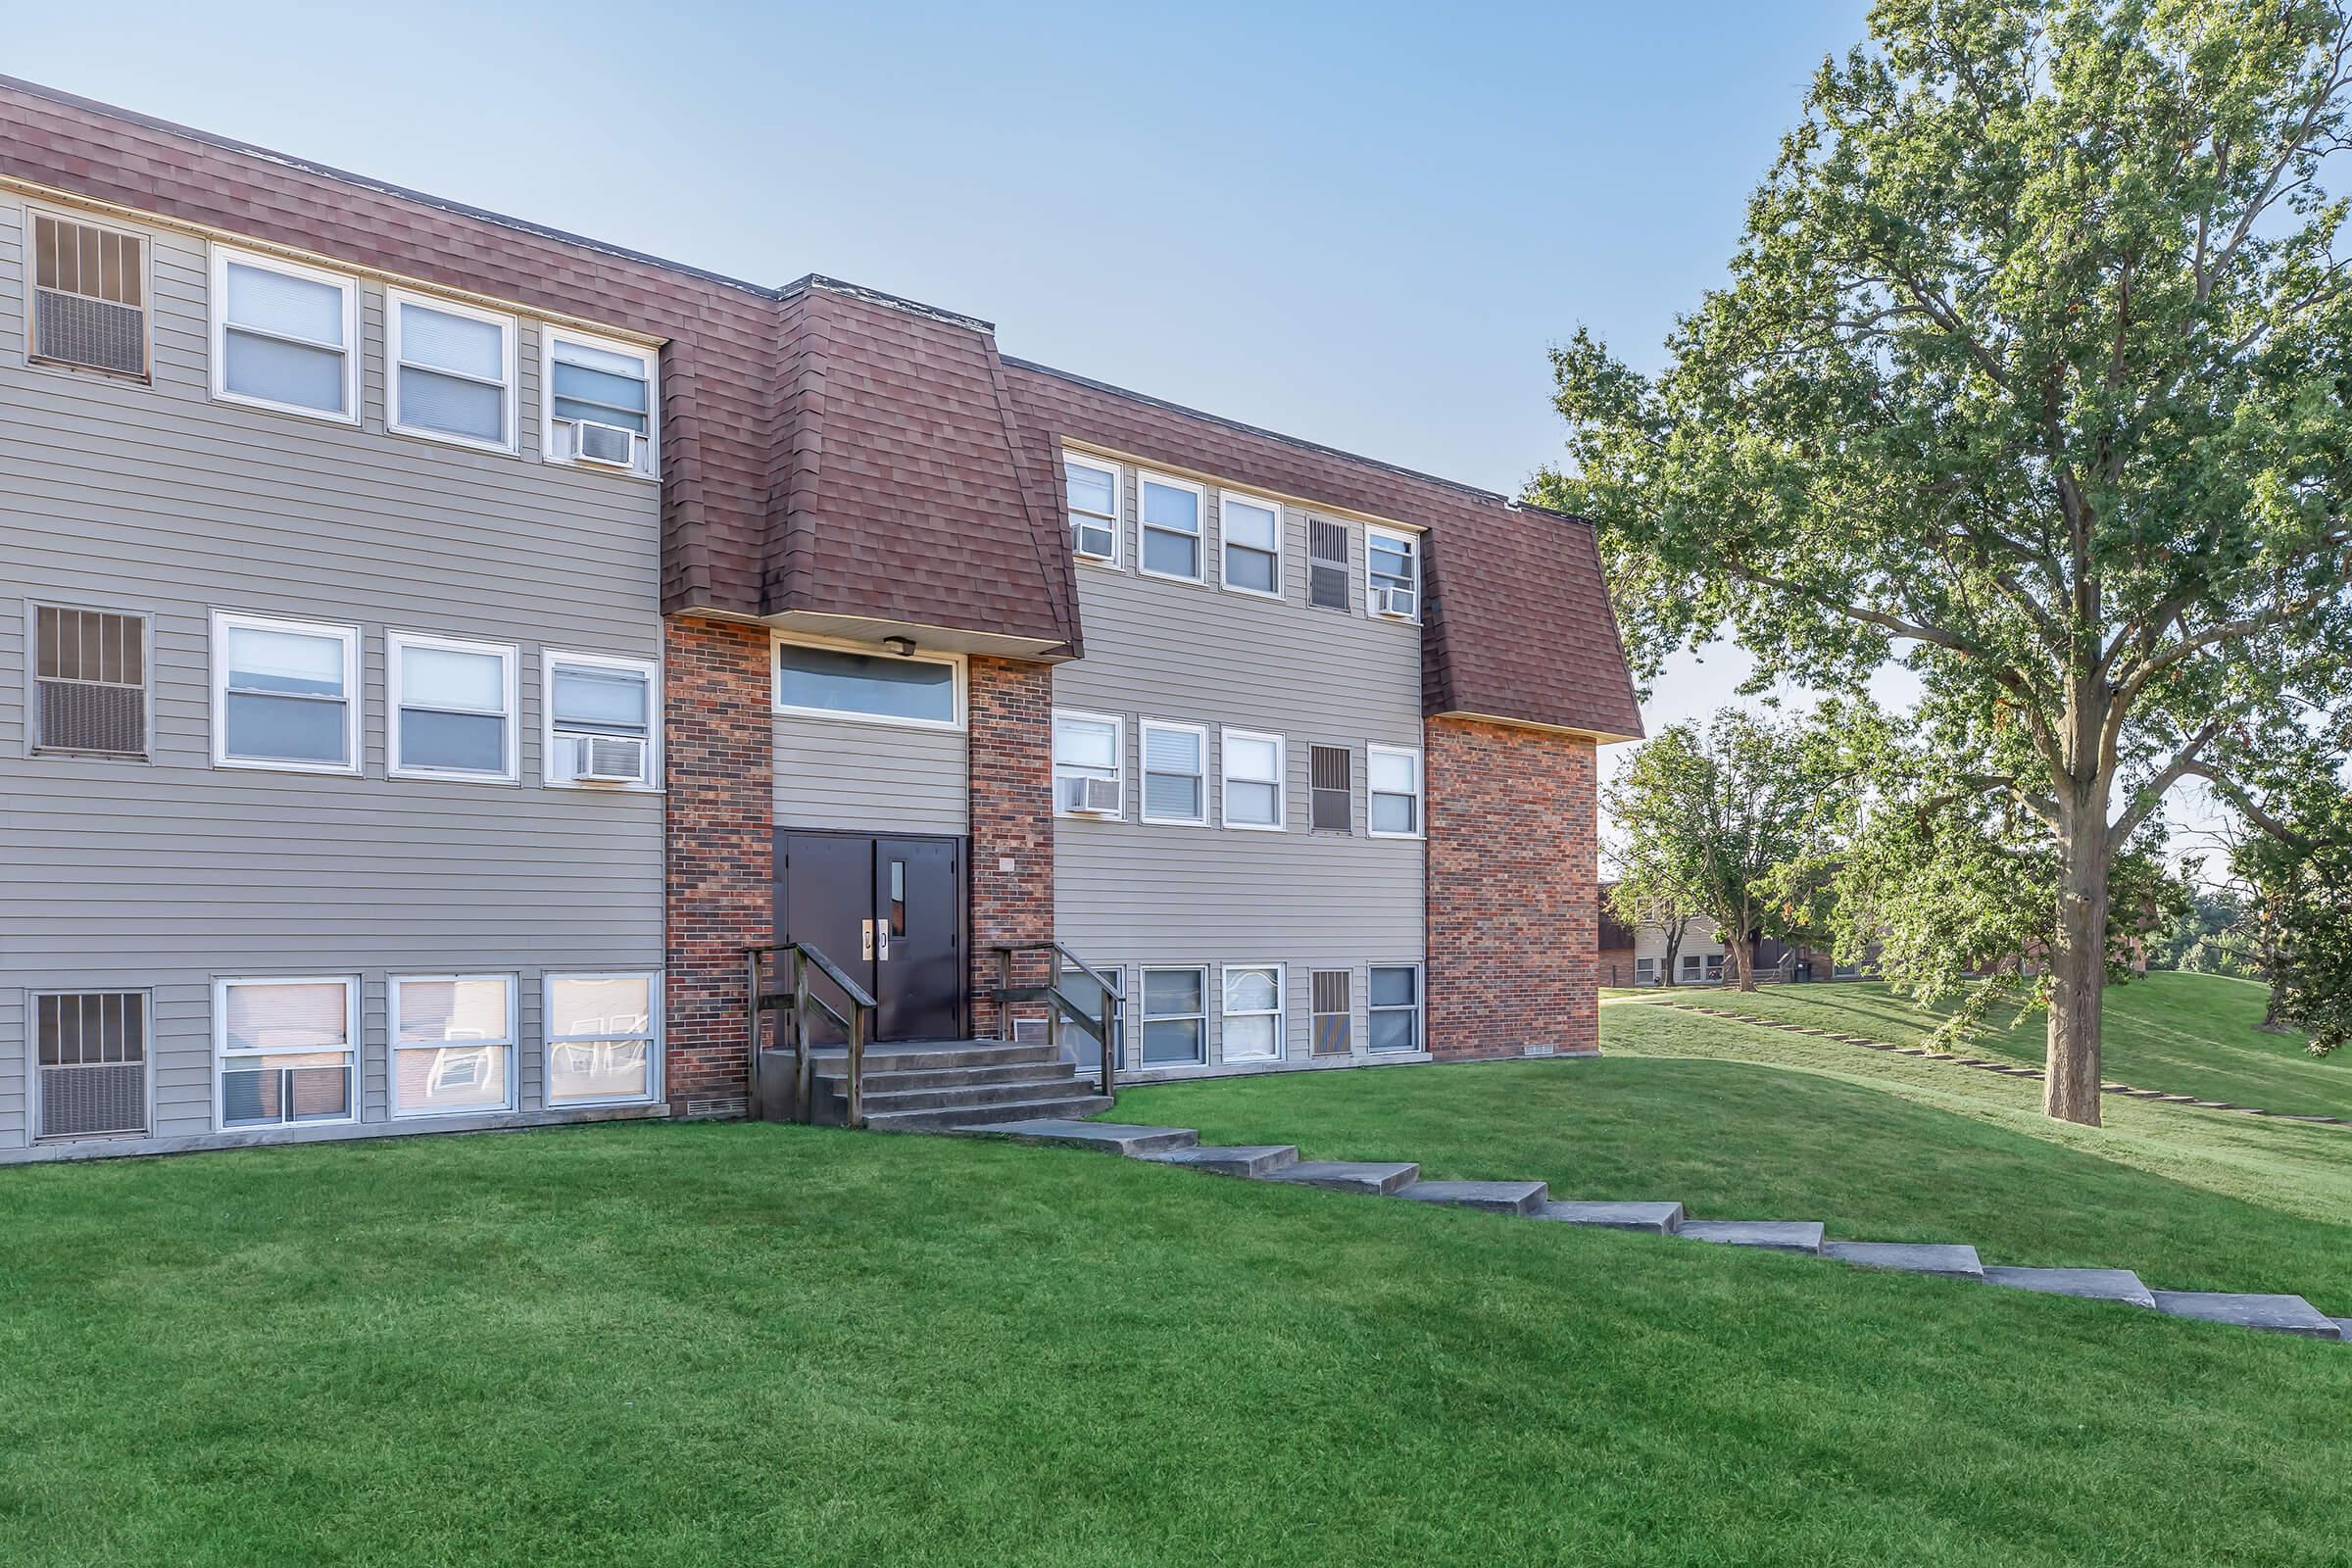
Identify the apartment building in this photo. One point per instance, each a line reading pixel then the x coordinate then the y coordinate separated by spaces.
pixel 434 647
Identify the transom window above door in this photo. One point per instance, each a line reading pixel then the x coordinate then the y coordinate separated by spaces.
pixel 876 688
pixel 1172 517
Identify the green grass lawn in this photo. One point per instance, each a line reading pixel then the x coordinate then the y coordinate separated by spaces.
pixel 2186 1034
pixel 662 1345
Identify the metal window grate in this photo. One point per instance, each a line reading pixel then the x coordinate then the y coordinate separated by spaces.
pixel 1334 1017
pixel 1331 781
pixel 89 296
pixel 1326 564
pixel 90 680
pixel 93 1049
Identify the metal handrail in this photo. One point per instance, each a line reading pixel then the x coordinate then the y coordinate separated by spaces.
pixel 1113 992
pixel 858 1026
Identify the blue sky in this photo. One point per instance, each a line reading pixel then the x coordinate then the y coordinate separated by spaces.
pixel 1358 224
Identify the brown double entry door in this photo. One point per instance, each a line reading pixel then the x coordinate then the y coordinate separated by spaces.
pixel 888 910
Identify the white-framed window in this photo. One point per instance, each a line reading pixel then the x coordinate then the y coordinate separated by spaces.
pixel 453 708
pixel 1392 774
pixel 1081 988
pixel 599 403
pixel 1645 971
pixel 89 295
pixel 1090 777
pixel 1692 964
pixel 1392 574
pixel 604 1039
pixel 1252 771
pixel 1175 1017
pixel 1393 1006
pixel 453 1044
pixel 1093 492
pixel 450 370
pixel 1175 773
pixel 1251 532
pixel 1170 514
pixel 283 1050
pixel 603 728
pixel 1714 967
pixel 1249 1027
pixel 285 695
pixel 922 691
pixel 285 336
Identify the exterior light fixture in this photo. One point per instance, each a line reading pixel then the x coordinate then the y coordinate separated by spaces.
pixel 901 646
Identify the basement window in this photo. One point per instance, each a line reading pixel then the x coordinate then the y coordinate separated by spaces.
pixel 453 1044
pixel 603 1038
pixel 1394 1006
pixel 284 1049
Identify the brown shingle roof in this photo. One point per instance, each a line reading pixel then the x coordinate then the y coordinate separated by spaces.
pixel 831 450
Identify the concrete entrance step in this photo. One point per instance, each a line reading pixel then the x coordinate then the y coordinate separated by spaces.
pixel 2089 1284
pixel 1020 1090
pixel 1659 1219
pixel 960 1118
pixel 1230 1159
pixel 881 1078
pixel 932 1055
pixel 1775 1235
pixel 1495 1198
pixel 1348 1176
pixel 1912 1258
pixel 2279 1314
pixel 1114 1138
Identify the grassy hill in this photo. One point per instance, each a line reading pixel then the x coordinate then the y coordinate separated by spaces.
pixel 685 1344
pixel 2186 1034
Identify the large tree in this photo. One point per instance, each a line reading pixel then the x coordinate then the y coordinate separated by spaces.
pixel 2031 371
pixel 1710 812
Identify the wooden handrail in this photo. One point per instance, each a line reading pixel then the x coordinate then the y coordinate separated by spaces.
pixel 857 1026
pixel 1113 994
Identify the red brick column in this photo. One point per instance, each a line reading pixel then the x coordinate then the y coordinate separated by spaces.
pixel 717 741
pixel 1011 803
pixel 1513 878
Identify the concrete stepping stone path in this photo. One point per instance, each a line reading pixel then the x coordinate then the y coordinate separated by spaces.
pixel 2090 1283
pixel 1528 1199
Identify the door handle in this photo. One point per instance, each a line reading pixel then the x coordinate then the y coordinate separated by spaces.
pixel 869 954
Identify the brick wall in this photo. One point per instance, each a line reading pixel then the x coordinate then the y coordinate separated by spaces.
pixel 717 739
pixel 1512 875
pixel 1011 803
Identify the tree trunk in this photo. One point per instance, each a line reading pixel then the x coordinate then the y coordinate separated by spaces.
pixel 1674 946
pixel 1746 947
pixel 2078 971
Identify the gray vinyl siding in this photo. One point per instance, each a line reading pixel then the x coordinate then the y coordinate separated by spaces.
pixel 1137 894
pixel 167 875
pixel 869 778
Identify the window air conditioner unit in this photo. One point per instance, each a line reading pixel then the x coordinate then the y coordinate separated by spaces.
pixel 1091 796
pixel 606 759
pixel 613 445
pixel 1396 602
